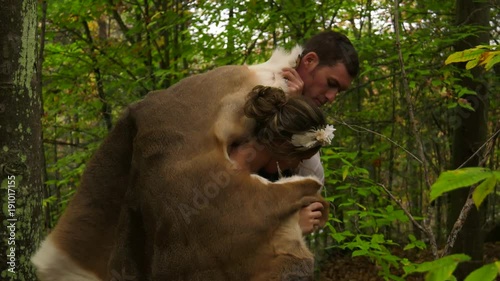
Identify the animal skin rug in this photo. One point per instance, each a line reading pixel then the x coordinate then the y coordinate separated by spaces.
pixel 160 199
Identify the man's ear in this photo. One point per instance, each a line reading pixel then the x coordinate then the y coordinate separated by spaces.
pixel 310 61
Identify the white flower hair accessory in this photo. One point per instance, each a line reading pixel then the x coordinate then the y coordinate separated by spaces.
pixel 313 137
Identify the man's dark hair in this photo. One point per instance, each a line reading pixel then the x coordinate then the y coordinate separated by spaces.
pixel 333 47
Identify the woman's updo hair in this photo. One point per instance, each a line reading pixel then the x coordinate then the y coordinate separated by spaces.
pixel 278 116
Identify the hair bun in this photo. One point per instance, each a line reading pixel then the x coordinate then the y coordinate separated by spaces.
pixel 264 102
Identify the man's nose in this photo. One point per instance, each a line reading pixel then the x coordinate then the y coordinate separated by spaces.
pixel 331 95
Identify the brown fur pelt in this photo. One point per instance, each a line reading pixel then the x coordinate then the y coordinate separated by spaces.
pixel 161 200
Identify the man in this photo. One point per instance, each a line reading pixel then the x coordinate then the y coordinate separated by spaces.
pixel 325 68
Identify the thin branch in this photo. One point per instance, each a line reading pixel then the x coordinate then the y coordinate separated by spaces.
pixel 146 26
pixel 462 217
pixel 362 85
pixel 480 148
pixel 288 18
pixel 106 108
pixel 334 15
pixel 83 146
pixel 459 223
pixel 43 29
pixel 121 24
pixel 254 43
pixel 81 131
pixel 406 90
pixel 413 123
pixel 408 214
pixel 113 60
pixel 353 127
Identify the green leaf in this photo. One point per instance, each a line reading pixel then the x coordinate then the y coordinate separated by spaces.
pixel 359 253
pixel 409 246
pixel 377 238
pixel 491 62
pixel 465 55
pixel 436 82
pixel 462 91
pixel 439 263
pixel 488 272
pixel 479 55
pixel 442 273
pixel 339 237
pixel 455 179
pixel 466 106
pixel 485 188
pixel 438 270
pixel 472 63
pixel 345 172
pixel 412 238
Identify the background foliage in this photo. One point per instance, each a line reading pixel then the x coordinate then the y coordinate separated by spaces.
pixel 99 56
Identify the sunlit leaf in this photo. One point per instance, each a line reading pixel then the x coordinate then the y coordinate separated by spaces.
pixel 442 273
pixel 446 261
pixel 455 179
pixel 482 190
pixel 472 63
pixel 494 60
pixel 488 272
pixel 465 55
pixel 479 55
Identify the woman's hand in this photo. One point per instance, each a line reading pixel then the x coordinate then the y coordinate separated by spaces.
pixel 293 81
pixel 309 218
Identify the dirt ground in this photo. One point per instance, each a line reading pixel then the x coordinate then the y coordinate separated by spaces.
pixel 343 267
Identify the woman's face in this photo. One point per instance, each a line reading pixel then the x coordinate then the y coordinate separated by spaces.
pixel 284 163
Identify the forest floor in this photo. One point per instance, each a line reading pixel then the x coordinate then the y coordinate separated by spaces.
pixel 343 267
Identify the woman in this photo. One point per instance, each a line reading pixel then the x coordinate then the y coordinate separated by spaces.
pixel 288 130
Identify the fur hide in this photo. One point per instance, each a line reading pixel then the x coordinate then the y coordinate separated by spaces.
pixel 160 199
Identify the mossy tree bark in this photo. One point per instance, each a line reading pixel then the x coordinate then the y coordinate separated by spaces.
pixel 20 140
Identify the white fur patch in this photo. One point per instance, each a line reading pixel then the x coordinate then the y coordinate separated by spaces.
pixel 269 73
pixel 294 178
pixel 261 179
pixel 54 265
pixel 298 178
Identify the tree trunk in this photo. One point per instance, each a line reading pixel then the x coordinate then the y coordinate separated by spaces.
pixel 470 132
pixel 20 140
